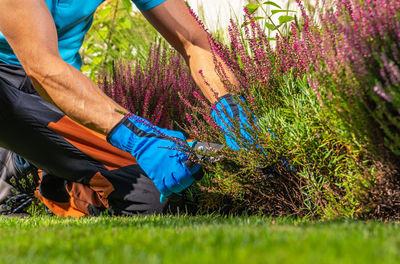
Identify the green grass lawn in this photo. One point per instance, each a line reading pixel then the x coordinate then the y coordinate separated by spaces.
pixel 196 240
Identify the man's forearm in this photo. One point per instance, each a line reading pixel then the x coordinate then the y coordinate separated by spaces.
pixel 201 60
pixel 75 94
pixel 174 21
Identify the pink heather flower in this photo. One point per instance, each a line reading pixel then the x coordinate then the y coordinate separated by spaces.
pixel 151 91
pixel 189 119
pixel 378 89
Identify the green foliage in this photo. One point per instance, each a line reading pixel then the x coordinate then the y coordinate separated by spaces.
pixel 357 74
pixel 335 171
pixel 331 174
pixel 183 239
pixel 117 33
pixel 267 17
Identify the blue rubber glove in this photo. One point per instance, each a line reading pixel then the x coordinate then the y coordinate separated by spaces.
pixel 157 152
pixel 235 112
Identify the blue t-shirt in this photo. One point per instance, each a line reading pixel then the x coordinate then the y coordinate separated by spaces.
pixel 73 19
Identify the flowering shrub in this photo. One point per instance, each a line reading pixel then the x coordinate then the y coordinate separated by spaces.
pixel 152 91
pixel 305 99
pixel 288 129
pixel 356 68
pixel 340 64
pixel 356 76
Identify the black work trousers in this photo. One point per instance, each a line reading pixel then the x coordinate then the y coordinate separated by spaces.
pixel 80 168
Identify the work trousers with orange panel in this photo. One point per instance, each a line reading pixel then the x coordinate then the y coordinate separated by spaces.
pixel 82 173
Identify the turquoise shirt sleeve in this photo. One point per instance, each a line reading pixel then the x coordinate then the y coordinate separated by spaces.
pixel 144 5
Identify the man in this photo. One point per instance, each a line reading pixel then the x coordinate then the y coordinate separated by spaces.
pixel 58 119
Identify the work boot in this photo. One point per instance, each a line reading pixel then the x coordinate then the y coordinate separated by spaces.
pixel 7 170
pixel 12 166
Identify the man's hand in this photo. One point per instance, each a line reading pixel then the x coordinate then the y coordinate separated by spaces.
pixel 226 111
pixel 158 152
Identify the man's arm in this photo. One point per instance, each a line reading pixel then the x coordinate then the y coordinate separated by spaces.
pixel 173 20
pixel 30 30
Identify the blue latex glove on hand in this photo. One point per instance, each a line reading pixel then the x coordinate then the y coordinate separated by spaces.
pixel 233 112
pixel 157 152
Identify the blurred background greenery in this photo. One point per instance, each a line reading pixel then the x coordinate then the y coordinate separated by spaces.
pixel 118 32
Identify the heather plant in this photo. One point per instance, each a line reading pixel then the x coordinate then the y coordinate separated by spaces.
pixel 297 163
pixel 152 90
pixel 329 179
pixel 302 102
pixel 356 69
pixel 355 74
